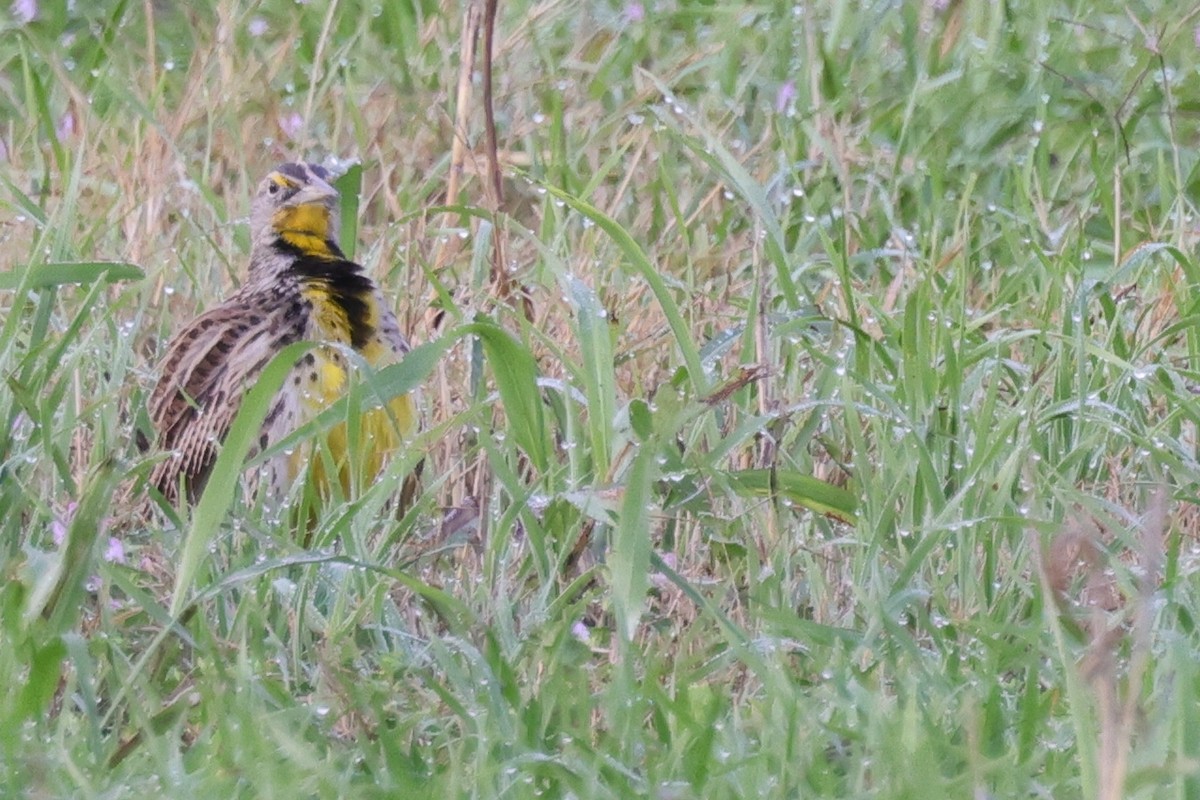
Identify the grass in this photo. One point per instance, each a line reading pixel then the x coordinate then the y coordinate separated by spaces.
pixel 829 431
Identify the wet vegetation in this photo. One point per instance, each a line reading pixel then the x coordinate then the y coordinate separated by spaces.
pixel 810 409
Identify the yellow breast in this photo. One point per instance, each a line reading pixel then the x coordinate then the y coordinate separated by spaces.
pixel 329 319
pixel 345 312
pixel 380 431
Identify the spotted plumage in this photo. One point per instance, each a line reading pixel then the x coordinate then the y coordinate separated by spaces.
pixel 300 287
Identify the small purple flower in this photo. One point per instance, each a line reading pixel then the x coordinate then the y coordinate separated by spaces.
pixel 291 124
pixel 785 96
pixel 65 128
pixel 115 552
pixel 633 12
pixel 581 632
pixel 58 526
pixel 24 11
pixel 1196 36
pixel 257 27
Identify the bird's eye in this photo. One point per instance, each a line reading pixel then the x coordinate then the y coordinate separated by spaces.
pixel 273 187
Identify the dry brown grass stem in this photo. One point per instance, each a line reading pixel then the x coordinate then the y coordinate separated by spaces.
pixel 1078 570
pixel 503 284
pixel 496 192
pixel 1119 714
pixel 460 146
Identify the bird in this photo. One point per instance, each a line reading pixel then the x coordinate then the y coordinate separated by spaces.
pixel 300 286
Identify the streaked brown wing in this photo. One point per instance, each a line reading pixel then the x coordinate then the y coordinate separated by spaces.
pixel 389 327
pixel 208 367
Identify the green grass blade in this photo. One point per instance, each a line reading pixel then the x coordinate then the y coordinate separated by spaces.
pixel 629 559
pixel 516 374
pixel 651 274
pixel 349 186
pixel 43 276
pixel 803 490
pixel 591 325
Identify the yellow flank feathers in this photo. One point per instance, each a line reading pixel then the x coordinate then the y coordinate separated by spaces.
pixel 333 380
pixel 376 352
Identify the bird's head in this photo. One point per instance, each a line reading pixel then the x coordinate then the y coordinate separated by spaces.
pixel 297 204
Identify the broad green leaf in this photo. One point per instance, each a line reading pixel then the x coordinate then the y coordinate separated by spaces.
pixel 516 374
pixel 803 490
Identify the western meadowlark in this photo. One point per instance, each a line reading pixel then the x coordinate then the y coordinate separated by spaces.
pixel 301 287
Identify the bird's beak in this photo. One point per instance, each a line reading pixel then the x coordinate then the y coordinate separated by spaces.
pixel 314 191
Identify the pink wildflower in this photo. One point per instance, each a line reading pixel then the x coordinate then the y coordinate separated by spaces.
pixel 291 124
pixel 24 11
pixel 115 552
pixel 785 96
